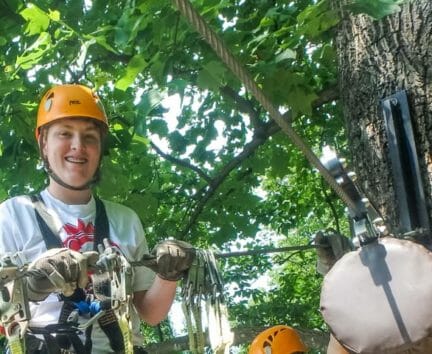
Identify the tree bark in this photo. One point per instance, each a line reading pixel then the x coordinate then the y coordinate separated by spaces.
pixel 376 59
pixel 242 335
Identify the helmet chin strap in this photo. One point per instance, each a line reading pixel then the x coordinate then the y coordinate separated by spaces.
pixel 83 187
pixel 95 179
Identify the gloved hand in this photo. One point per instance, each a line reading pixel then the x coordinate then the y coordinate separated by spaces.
pixel 59 270
pixel 170 259
pixel 101 283
pixel 334 246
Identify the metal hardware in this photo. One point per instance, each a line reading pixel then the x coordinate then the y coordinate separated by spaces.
pixel 411 205
pixel 366 223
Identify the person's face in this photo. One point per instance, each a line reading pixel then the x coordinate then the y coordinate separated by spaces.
pixel 73 149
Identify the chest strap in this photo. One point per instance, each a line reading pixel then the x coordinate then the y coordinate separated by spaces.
pixel 50 234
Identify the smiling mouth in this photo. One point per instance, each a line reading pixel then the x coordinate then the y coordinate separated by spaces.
pixel 76 160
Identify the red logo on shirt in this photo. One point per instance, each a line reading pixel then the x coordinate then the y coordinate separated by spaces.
pixel 78 236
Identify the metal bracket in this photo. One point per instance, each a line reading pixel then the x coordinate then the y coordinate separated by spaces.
pixel 411 205
pixel 364 219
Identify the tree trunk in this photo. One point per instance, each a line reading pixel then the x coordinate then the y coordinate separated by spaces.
pixel 376 59
pixel 242 335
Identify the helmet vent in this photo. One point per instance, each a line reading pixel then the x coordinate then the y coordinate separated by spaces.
pixel 268 342
pixel 48 104
pixel 267 350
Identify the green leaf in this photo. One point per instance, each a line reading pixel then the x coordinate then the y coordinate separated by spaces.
pixel 38 20
pixel 35 52
pixel 102 41
pixel 10 86
pixel 136 65
pixel 286 54
pixel 212 75
pixel 300 100
pixel 114 181
pixel 127 28
pixel 158 126
pixel 318 18
pixel 375 8
pixel 177 86
pixel 141 139
pixel 149 101
pixel 146 6
pixel 145 205
pixel 177 142
pixel 279 163
pixel 54 15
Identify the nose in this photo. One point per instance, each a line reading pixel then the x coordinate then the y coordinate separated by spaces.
pixel 77 142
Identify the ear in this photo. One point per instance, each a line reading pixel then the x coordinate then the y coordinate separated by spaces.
pixel 42 142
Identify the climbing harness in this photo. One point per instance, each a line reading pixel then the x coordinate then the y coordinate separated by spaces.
pixel 111 324
pixel 15 314
pixel 203 284
pixel 119 269
pixel 110 310
pixel 14 308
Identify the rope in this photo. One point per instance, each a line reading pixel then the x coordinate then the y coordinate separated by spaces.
pixel 243 75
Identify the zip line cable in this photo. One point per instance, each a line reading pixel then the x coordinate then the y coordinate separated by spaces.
pixel 196 20
pixel 266 250
pixel 252 252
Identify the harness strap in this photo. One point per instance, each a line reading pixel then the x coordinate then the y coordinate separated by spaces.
pixel 108 322
pixel 102 225
pixel 111 327
pixel 50 234
pixel 45 222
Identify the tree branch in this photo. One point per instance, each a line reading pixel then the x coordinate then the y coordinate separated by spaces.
pixel 328 95
pixel 182 163
pixel 259 139
pixel 243 105
pixel 261 133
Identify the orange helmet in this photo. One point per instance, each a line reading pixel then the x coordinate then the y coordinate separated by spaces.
pixel 279 339
pixel 69 101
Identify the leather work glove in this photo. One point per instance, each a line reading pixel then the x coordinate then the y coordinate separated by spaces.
pixel 170 259
pixel 101 286
pixel 334 246
pixel 59 270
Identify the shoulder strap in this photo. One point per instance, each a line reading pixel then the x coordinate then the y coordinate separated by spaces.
pixel 47 225
pixel 45 222
pixel 102 225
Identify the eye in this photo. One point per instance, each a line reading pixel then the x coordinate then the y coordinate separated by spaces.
pixel 64 133
pixel 91 138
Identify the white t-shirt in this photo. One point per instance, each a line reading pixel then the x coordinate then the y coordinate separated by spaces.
pixel 19 232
